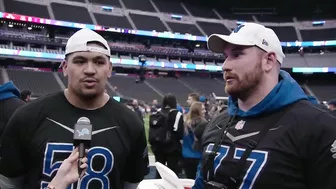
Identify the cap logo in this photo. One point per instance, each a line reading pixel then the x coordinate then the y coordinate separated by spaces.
pixel 264 42
pixel 236 30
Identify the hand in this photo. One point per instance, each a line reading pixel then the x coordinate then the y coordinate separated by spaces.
pixel 68 172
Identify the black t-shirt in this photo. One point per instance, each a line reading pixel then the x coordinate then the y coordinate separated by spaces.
pixel 39 137
pixel 298 152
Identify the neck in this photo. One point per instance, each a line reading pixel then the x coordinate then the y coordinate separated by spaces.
pixel 82 103
pixel 257 95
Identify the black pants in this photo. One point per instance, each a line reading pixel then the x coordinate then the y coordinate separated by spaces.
pixel 190 167
pixel 170 160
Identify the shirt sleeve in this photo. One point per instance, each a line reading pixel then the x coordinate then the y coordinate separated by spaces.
pixel 137 164
pixel 13 154
pixel 321 164
pixel 179 125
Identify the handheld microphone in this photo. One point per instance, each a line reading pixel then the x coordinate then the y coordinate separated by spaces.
pixel 82 138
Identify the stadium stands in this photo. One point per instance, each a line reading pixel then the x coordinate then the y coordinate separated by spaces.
pixel 274 18
pixel 171 7
pixel 112 21
pixel 184 28
pixel 154 20
pixel 25 8
pixel 319 34
pixel 204 12
pixel 71 13
pixel 114 3
pixel 325 90
pixel 144 15
pixel 204 85
pixel 285 33
pixel 127 87
pixel 40 83
pixel 171 85
pixel 144 5
pixel 210 28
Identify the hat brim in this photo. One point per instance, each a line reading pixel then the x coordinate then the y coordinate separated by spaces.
pixel 217 42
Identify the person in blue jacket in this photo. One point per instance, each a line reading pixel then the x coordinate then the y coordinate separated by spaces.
pixel 194 125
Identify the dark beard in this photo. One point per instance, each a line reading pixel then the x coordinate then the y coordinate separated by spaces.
pixel 247 84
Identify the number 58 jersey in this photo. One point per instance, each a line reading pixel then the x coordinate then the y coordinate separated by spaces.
pixel 39 137
pixel 298 152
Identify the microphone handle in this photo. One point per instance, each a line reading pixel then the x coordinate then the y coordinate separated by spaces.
pixel 81 150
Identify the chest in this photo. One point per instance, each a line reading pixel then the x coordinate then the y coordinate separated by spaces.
pixel 52 142
pixel 275 155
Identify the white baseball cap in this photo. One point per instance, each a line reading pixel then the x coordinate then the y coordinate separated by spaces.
pixel 78 42
pixel 248 34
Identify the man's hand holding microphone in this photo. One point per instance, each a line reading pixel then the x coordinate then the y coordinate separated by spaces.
pixel 74 167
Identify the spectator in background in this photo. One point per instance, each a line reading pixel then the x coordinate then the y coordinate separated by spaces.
pixel 137 109
pixel 194 126
pixel 165 134
pixel 332 105
pixel 9 102
pixel 205 102
pixel 192 97
pixel 26 95
pixel 155 106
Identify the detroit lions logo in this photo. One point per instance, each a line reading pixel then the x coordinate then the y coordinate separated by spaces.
pixel 83 132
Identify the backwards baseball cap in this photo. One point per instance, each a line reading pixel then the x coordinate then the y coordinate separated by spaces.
pixel 248 34
pixel 78 42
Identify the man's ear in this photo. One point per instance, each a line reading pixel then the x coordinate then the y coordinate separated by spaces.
pixel 110 70
pixel 270 61
pixel 65 67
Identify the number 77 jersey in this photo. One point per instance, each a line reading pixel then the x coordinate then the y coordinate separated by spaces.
pixel 294 154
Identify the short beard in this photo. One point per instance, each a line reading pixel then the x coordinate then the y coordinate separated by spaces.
pixel 246 85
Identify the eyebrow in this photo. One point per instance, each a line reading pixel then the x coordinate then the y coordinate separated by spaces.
pixel 94 58
pixel 238 48
pixel 99 57
pixel 79 57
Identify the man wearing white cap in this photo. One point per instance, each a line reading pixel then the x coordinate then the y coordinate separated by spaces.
pixel 270 136
pixel 39 136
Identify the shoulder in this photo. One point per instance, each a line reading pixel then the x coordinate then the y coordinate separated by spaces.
pixel 36 107
pixel 11 104
pixel 123 114
pixel 313 122
pixel 309 114
pixel 217 121
pixel 214 127
pixel 175 113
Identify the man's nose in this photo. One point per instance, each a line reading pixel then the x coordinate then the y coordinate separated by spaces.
pixel 226 67
pixel 90 68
